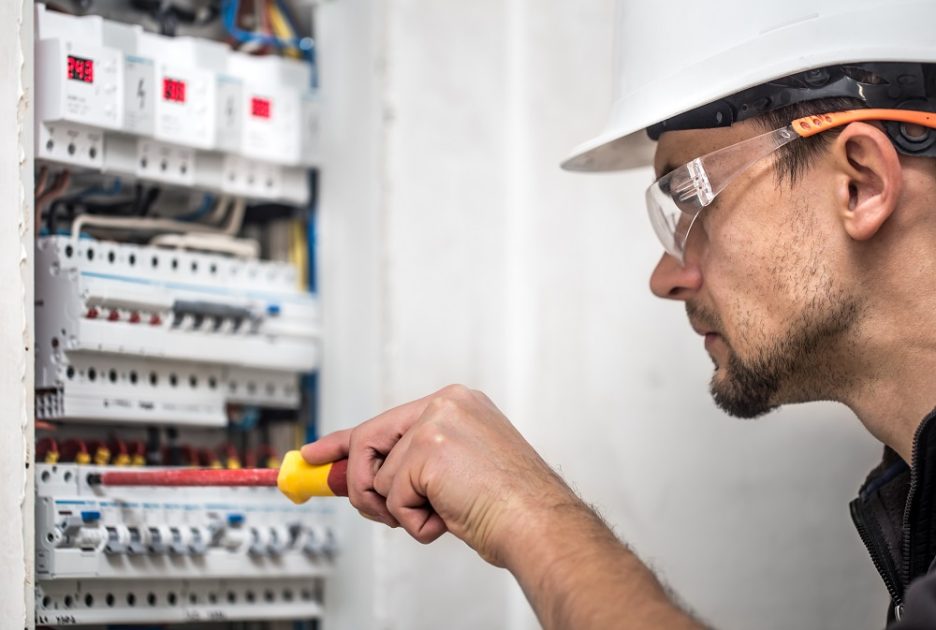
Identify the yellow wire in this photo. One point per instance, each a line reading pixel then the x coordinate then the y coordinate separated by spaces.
pixel 282 30
pixel 298 254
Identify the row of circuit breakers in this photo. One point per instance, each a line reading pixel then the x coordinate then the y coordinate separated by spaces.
pixel 138 335
pixel 163 555
pixel 181 111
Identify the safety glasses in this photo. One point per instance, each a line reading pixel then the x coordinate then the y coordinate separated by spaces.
pixel 675 200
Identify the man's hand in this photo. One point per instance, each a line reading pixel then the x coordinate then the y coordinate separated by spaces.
pixel 447 462
pixel 453 462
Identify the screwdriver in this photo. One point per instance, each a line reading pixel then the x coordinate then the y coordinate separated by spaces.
pixel 295 478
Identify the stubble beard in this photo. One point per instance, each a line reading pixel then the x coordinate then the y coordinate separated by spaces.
pixel 796 367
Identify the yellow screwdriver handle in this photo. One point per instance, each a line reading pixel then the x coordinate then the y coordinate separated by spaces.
pixel 300 480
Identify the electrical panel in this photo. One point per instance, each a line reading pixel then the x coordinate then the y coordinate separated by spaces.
pixel 176 323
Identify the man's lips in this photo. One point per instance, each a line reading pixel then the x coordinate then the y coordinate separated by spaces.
pixel 711 337
pixel 701 330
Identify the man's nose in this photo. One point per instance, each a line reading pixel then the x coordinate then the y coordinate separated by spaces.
pixel 673 281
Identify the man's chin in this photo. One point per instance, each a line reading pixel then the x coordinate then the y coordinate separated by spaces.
pixel 735 399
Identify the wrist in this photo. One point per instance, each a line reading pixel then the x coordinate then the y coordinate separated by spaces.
pixel 542 529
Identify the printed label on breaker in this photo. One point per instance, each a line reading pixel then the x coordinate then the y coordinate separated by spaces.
pixel 139 86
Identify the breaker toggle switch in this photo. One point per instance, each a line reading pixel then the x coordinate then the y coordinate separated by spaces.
pixel 200 540
pixel 118 540
pixel 160 538
pixel 136 546
pixel 180 541
pixel 320 542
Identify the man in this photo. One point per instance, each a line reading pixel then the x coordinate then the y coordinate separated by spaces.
pixel 795 201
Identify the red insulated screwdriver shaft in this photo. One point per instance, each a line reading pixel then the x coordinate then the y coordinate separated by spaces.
pixel 188 477
pixel 295 478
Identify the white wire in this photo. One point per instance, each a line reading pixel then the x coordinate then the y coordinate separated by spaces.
pixel 238 247
pixel 150 224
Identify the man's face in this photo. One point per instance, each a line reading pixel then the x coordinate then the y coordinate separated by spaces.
pixel 762 280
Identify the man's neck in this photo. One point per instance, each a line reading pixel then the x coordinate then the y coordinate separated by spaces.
pixel 893 384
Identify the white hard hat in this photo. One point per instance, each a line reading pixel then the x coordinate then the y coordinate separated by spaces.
pixel 673 57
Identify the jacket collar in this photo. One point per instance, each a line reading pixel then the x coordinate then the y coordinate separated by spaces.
pixel 895 512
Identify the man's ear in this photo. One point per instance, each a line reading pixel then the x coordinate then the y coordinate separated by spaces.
pixel 869 180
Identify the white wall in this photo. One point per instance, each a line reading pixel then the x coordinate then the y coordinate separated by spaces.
pixel 479 261
pixel 16 315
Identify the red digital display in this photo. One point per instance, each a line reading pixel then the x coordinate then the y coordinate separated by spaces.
pixel 173 90
pixel 80 69
pixel 260 107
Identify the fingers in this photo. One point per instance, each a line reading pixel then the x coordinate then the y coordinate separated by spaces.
pixel 330 448
pixel 406 502
pixel 363 465
pixel 366 446
pixel 383 479
pixel 375 450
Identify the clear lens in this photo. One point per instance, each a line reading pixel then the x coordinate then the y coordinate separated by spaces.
pixel 675 200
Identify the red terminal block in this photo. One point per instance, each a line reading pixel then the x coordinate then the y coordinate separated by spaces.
pixel 92 313
pixel 113 316
pixel 135 317
pixel 155 319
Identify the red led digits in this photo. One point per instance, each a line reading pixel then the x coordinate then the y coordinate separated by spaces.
pixel 80 69
pixel 173 90
pixel 260 107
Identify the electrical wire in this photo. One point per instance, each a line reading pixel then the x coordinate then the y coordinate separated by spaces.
pixel 208 202
pixel 281 28
pixel 246 248
pixel 51 194
pixel 229 13
pixel 75 450
pixel 149 224
pixel 41 180
pixel 47 449
pixel 298 252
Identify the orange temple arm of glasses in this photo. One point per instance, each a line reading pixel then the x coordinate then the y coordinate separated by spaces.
pixel 817 123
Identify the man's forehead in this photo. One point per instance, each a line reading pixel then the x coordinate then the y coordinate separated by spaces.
pixel 675 148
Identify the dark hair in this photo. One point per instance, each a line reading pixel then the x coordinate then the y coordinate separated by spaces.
pixel 795 158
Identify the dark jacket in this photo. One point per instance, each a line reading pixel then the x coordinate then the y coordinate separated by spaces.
pixel 895 514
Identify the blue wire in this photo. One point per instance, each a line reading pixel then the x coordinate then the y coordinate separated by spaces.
pixel 310 385
pixel 311 236
pixel 96 189
pixel 305 45
pixel 249 419
pixel 208 202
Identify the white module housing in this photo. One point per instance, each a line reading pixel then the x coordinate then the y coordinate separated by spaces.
pixel 78 79
pixel 271 106
pixel 129 332
pixel 229 112
pixel 139 77
pixel 79 83
pixel 185 92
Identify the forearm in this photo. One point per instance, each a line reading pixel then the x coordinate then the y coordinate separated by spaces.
pixel 577 574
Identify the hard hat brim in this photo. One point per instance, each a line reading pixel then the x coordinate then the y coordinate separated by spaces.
pixel 611 151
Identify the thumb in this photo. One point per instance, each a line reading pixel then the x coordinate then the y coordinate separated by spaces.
pixel 330 448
